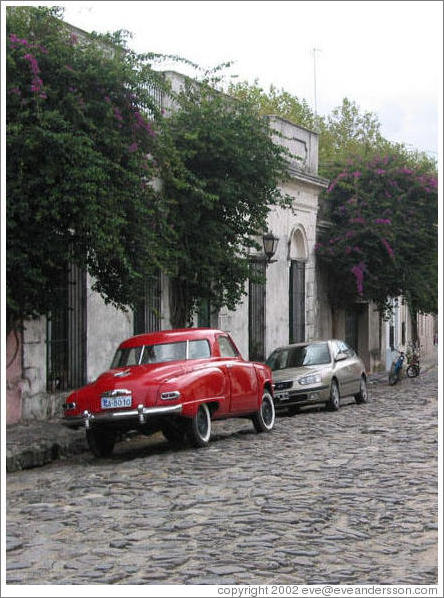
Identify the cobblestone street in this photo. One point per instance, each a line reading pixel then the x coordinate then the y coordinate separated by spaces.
pixel 344 497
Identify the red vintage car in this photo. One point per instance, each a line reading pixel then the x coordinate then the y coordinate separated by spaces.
pixel 176 381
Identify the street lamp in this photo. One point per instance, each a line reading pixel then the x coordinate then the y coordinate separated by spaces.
pixel 270 243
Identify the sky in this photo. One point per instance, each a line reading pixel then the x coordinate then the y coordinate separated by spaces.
pixel 386 56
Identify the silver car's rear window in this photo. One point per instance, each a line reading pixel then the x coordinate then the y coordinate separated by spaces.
pixel 294 357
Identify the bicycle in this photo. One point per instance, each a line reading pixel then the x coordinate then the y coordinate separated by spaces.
pixel 413 366
pixel 396 369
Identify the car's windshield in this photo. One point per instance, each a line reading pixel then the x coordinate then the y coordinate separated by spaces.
pixel 160 353
pixel 294 357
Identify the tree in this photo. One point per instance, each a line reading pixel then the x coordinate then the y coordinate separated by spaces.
pixel 345 133
pixel 81 135
pixel 383 238
pixel 278 102
pixel 220 183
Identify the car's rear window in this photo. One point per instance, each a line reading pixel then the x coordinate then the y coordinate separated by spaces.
pixel 293 357
pixel 195 349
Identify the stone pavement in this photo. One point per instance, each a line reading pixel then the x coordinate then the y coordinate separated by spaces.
pixel 344 497
pixel 35 443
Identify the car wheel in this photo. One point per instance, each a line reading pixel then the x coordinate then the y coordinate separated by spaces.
pixel 200 427
pixel 174 432
pixel 362 396
pixel 263 420
pixel 335 399
pixel 101 443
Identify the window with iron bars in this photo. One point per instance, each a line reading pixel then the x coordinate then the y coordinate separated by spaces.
pixel 147 314
pixel 66 334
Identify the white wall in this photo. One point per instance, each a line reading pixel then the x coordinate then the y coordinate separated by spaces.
pixel 107 327
pixel 296 229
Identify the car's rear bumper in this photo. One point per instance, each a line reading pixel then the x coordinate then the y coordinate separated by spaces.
pixel 138 416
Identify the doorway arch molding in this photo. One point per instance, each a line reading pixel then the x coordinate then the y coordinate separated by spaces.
pixel 297 244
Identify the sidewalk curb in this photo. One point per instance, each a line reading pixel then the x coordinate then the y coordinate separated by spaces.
pixel 38 443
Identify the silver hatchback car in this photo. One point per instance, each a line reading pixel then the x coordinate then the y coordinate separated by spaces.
pixel 316 372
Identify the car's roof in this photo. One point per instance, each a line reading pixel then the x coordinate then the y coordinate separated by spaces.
pixel 169 336
pixel 305 343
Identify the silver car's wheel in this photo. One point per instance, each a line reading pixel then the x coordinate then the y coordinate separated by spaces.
pixel 362 396
pixel 335 399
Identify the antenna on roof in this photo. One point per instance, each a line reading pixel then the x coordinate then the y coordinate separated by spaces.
pixel 314 77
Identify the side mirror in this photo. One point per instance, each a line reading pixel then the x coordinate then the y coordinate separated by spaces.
pixel 341 357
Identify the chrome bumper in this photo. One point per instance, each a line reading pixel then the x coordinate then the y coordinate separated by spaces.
pixel 139 415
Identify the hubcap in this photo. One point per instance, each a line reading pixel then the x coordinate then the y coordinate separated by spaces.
pixel 363 390
pixel 335 395
pixel 267 412
pixel 202 423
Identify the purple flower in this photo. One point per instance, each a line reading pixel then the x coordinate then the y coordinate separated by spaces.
pixel 380 171
pixel 348 249
pixel 389 249
pixel 383 221
pixel 358 220
pixel 141 123
pixel 133 147
pixel 37 84
pixel 117 114
pixel 32 62
pixel 16 91
pixel 73 39
pixel 358 272
pixel 356 174
pixel 15 40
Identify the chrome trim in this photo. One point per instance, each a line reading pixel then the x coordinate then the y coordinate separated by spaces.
pixel 69 406
pixel 122 374
pixel 87 419
pixel 141 413
pixel 170 395
pixel 116 392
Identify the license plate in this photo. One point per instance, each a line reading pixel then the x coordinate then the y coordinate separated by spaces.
pixel 115 402
pixel 282 396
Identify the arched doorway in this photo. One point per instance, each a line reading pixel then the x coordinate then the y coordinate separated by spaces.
pixel 298 255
